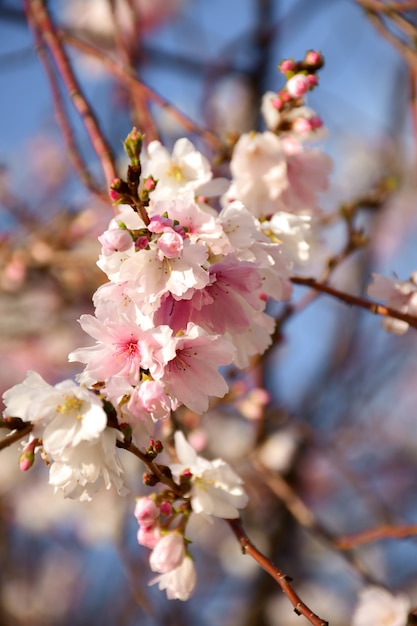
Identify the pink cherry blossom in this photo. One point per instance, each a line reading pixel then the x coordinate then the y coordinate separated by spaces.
pixel 192 376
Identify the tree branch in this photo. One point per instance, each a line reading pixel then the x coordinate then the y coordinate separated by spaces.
pixel 39 18
pixel 282 579
pixel 363 303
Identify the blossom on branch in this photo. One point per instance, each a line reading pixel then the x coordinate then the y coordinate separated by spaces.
pixel 215 488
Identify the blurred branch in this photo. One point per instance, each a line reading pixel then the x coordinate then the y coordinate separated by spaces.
pixel 141 115
pixel 40 21
pixel 128 76
pixel 368 305
pixel 18 434
pixel 373 534
pixel 282 579
pixel 62 119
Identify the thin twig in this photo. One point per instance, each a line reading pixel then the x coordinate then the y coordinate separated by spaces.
pixel 135 84
pixel 282 579
pixel 15 436
pixel 373 534
pixel 38 15
pixel 62 120
pixel 368 305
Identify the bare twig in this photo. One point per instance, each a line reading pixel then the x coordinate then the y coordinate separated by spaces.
pixel 282 579
pixel 62 119
pixel 15 436
pixel 363 303
pixel 40 19
pixel 135 84
pixel 373 534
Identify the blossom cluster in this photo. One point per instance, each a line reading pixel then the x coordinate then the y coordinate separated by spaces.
pixel 191 262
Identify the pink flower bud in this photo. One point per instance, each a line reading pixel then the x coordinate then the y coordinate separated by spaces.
pixel 141 243
pixel 302 125
pixel 146 511
pixel 159 224
pixel 170 245
pixel 148 536
pixel 298 85
pixel 168 554
pixel 287 66
pixel 316 122
pixel 149 183
pixel 115 240
pixel 166 509
pixel 277 103
pixel 26 460
pixel 313 58
pixel 312 80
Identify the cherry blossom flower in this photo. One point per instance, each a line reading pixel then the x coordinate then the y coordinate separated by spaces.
pixel 79 470
pixel 66 414
pixel 192 376
pixel 179 583
pixel 72 424
pixel 398 294
pixel 186 169
pixel 378 606
pixel 123 349
pixel 272 174
pixel 215 488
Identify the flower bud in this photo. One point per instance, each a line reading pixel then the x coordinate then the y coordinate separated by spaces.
pixel 287 65
pixel 298 85
pixel 146 511
pixel 133 146
pixel 314 58
pixel 168 553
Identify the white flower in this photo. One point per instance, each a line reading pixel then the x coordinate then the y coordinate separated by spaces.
pixel 378 607
pixel 186 169
pixel 180 582
pixel 399 294
pixel 78 470
pixel 168 554
pixel 216 489
pixel 72 424
pixel 69 413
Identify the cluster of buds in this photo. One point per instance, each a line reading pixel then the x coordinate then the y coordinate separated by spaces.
pixel 301 77
pixel 169 557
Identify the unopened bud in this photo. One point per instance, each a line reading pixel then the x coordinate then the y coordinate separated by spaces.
pixel 150 479
pixel 312 80
pixel 298 85
pixel 287 65
pixel 133 146
pixel 26 460
pixel 314 58
pixel 165 508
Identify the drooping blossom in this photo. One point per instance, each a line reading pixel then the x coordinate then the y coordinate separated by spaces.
pixel 215 488
pixel 178 583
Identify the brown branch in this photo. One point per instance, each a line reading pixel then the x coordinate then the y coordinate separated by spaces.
pixel 141 115
pixel 368 305
pixel 15 436
pixel 373 534
pixel 282 579
pixel 135 84
pixel 405 51
pixel 388 7
pixel 62 120
pixel 38 16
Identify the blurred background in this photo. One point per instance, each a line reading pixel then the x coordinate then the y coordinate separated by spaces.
pixel 336 448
